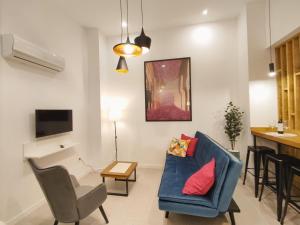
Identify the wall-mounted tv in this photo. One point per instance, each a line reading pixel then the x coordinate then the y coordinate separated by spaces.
pixel 50 122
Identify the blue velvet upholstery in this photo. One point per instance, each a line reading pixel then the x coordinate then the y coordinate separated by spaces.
pixel 178 170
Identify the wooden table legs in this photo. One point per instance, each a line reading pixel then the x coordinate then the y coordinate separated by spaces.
pixel 126 185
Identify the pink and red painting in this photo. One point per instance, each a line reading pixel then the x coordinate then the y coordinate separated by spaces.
pixel 168 90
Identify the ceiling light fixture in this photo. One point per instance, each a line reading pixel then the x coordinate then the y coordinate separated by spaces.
pixel 122 65
pixel 272 72
pixel 204 12
pixel 126 49
pixel 143 40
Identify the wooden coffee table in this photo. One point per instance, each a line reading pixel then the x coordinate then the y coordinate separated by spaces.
pixel 120 171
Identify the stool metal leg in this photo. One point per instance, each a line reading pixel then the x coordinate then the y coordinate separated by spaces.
pixel 256 172
pixel 246 166
pixel 264 177
pixel 279 187
pixel 288 197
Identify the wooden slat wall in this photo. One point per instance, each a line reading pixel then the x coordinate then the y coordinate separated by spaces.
pixel 288 81
pixel 288 87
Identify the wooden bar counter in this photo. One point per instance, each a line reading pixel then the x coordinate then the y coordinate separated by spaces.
pixel 291 142
pixel 285 145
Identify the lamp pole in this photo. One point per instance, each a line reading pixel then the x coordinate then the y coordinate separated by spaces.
pixel 116 144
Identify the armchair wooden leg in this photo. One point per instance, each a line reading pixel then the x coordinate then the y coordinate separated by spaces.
pixel 55 222
pixel 77 223
pixel 103 214
pixel 167 214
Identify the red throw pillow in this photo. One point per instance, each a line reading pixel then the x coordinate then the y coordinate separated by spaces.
pixel 192 145
pixel 201 181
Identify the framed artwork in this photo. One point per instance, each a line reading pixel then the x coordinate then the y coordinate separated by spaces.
pixel 168 90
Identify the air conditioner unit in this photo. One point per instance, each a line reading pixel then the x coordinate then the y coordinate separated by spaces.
pixel 16 48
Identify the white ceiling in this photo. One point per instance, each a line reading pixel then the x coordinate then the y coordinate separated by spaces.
pixel 158 14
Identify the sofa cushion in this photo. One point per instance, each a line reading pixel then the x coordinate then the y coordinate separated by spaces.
pixel 192 145
pixel 178 147
pixel 201 181
pixel 177 171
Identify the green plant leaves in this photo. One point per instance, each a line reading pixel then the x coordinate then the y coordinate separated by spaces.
pixel 233 123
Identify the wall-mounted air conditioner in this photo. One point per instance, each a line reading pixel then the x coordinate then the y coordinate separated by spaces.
pixel 16 48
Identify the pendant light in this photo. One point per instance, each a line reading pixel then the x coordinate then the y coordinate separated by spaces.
pixel 127 49
pixel 122 65
pixel 143 40
pixel 272 72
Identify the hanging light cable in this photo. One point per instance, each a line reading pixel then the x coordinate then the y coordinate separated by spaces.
pixel 127 49
pixel 143 40
pixel 122 65
pixel 272 72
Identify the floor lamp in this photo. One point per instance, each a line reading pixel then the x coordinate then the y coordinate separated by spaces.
pixel 114 116
pixel 116 141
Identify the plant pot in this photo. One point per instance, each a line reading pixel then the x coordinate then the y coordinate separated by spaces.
pixel 236 153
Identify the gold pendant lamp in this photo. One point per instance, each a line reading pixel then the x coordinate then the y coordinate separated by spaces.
pixel 127 49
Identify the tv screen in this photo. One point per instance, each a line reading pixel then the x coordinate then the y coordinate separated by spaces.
pixel 49 122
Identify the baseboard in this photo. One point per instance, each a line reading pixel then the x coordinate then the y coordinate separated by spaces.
pixel 25 212
pixel 150 166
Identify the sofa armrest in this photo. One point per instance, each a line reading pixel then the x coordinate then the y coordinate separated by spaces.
pixel 230 183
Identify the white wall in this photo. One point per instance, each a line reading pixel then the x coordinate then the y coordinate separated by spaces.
pixel 242 94
pixel 93 101
pixel 263 103
pixel 263 91
pixel 285 19
pixel 25 88
pixel 214 62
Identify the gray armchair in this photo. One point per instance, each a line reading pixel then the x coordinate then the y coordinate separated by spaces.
pixel 68 201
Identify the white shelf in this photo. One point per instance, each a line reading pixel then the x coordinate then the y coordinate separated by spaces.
pixel 43 148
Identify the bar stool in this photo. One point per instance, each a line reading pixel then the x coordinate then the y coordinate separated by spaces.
pixel 279 179
pixel 259 154
pixel 290 199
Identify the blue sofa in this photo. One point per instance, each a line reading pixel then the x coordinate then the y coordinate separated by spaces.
pixel 219 199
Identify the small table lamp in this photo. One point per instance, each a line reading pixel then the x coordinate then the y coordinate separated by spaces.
pixel 115 115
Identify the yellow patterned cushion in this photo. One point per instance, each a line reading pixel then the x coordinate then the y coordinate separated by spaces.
pixel 178 147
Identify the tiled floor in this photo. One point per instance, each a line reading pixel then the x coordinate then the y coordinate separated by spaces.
pixel 141 207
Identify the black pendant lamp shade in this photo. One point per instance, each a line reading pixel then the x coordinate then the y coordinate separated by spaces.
pixel 272 72
pixel 122 65
pixel 143 41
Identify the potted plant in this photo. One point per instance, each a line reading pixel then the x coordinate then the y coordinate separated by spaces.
pixel 233 124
